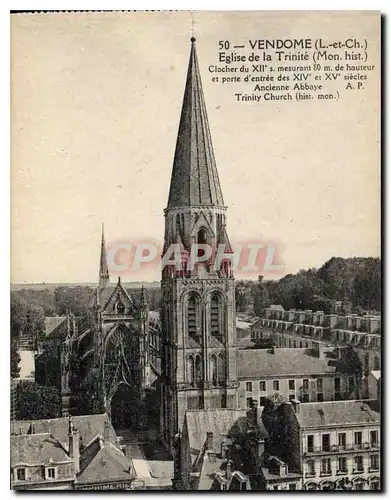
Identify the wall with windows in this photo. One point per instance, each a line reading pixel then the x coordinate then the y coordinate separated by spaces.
pixel 342 455
pixel 25 475
pixel 324 387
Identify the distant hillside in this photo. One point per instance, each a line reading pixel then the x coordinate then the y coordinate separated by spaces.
pixel 340 285
pixel 53 286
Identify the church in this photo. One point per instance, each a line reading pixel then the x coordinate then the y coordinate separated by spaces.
pixel 117 343
pixel 199 353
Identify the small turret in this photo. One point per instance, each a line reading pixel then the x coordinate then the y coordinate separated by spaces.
pixel 104 276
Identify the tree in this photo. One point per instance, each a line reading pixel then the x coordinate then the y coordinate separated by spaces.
pixel 242 296
pixel 15 359
pixel 36 402
pixel 77 299
pixel 18 315
pixel 26 318
pixel 260 296
pixel 88 398
pixel 35 321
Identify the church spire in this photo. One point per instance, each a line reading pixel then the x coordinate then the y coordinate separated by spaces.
pixel 194 179
pixel 103 268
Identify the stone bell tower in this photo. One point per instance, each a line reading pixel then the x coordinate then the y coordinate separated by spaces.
pixel 199 357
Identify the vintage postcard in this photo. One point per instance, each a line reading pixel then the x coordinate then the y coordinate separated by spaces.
pixel 196 256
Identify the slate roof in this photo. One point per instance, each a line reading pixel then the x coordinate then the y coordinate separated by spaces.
pixel 194 179
pixel 106 462
pixel 100 460
pixel 376 374
pixel 220 422
pixel 208 471
pixel 36 449
pixel 52 322
pixel 89 426
pixel 331 413
pixel 258 363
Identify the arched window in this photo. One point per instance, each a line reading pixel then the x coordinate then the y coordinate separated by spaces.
pixel 216 319
pixel 190 371
pixel 376 363
pixel 201 237
pixel 193 317
pixel 213 369
pixel 221 369
pixel 366 361
pixel 178 224
pixel 120 307
pixel 198 369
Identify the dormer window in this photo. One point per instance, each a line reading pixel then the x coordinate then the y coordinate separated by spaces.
pixel 50 473
pixel 21 474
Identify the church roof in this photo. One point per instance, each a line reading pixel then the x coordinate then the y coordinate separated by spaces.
pixel 194 179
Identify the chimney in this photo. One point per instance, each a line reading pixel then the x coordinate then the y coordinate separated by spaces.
pixel 333 320
pixel 106 431
pixel 228 471
pixel 260 447
pixel 374 323
pixel 296 406
pixel 291 315
pixel 254 413
pixel 209 441
pixel 74 445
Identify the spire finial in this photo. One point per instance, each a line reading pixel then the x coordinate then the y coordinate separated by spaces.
pixel 192 39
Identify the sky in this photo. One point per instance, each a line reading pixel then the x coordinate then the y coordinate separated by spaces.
pixel 95 108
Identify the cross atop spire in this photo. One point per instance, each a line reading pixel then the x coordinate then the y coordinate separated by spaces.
pixel 194 179
pixel 104 276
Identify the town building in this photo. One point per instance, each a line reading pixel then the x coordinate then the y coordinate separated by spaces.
pixel 80 453
pixel 294 374
pixel 340 442
pixel 231 449
pixel 352 336
pixel 374 385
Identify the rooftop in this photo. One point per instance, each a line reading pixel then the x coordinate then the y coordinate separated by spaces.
pixel 36 449
pixel 221 422
pixel 376 374
pixel 331 413
pixel 89 426
pixel 106 462
pixel 257 363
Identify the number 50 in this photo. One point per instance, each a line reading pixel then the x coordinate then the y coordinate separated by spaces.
pixel 224 44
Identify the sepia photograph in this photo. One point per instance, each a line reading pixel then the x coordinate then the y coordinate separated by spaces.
pixel 196 274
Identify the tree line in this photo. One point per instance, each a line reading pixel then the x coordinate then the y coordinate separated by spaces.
pixel 340 285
